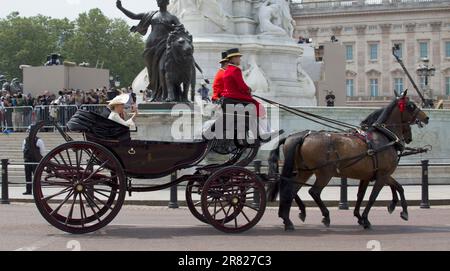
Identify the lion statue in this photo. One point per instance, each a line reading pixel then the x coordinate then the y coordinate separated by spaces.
pixel 178 66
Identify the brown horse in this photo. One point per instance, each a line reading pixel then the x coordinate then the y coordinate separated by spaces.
pixel 327 155
pixel 365 125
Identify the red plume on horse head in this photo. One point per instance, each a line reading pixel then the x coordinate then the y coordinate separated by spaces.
pixel 403 101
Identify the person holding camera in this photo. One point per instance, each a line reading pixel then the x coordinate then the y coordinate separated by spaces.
pixel 31 159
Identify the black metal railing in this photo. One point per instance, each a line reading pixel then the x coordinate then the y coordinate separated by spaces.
pixel 257 167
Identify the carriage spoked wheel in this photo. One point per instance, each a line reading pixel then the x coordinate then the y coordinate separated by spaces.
pixel 194 188
pixel 233 200
pixel 79 187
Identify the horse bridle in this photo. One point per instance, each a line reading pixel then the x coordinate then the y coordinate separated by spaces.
pixel 413 121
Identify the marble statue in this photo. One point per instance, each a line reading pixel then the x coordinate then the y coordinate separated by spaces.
pixel 210 9
pixel 275 18
pixel 255 77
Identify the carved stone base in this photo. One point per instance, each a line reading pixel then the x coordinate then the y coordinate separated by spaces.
pixel 162 106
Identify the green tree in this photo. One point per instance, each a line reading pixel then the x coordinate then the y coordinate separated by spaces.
pixel 109 43
pixel 91 38
pixel 28 40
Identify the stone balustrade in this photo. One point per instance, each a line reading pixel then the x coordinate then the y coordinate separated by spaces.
pixel 298 7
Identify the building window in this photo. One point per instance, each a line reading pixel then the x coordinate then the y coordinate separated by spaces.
pixel 350 87
pixel 374 87
pixel 422 82
pixel 447 49
pixel 423 49
pixel 398 85
pixel 399 52
pixel 447 86
pixel 349 52
pixel 348 29
pixel 373 51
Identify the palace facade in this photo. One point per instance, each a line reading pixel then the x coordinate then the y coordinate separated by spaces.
pixel 369 29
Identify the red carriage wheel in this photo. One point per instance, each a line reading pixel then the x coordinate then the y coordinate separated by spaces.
pixel 233 200
pixel 194 188
pixel 79 187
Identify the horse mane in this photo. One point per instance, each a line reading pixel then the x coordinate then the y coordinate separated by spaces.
pixel 374 116
pixel 380 115
pixel 387 112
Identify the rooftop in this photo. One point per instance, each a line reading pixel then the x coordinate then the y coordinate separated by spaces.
pixel 300 7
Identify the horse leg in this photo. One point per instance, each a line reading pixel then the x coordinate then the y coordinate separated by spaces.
pixel 301 180
pixel 302 207
pixel 393 204
pixel 404 214
pixel 361 193
pixel 286 198
pixel 315 193
pixel 379 184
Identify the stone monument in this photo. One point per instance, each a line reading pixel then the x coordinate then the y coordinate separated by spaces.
pixel 263 31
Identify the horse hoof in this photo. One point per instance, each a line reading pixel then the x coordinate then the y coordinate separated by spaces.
pixel 289 228
pixel 391 208
pixel 302 217
pixel 326 221
pixel 404 216
pixel 360 222
pixel 367 225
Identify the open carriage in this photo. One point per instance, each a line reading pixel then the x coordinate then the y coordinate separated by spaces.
pixel 80 186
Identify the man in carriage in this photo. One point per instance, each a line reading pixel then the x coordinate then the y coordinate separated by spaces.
pixel 236 91
pixel 218 85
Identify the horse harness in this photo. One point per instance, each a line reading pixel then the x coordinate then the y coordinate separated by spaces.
pixel 372 151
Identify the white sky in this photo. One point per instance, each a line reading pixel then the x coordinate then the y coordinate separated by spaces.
pixel 71 8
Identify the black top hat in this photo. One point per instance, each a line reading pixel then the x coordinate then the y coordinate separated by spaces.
pixel 224 57
pixel 233 52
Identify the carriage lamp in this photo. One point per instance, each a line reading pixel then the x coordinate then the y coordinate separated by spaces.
pixel 426 71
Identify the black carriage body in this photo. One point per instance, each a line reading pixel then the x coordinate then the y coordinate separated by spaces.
pixel 153 159
pixel 140 159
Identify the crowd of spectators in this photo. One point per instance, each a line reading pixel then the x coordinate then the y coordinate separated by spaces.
pixel 64 97
pixel 16 109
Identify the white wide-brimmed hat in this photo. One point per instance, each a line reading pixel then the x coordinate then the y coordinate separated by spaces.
pixel 120 99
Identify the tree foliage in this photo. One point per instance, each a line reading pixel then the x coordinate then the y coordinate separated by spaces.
pixel 91 38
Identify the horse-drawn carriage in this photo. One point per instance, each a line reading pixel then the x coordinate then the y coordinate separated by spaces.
pixel 80 186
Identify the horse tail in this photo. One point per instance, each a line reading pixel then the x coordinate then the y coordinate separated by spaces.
pixel 291 146
pixel 274 170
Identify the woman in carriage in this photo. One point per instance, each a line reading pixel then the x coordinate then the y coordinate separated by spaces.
pixel 117 107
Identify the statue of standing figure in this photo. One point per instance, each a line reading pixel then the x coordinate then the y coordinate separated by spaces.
pixel 275 18
pixel 168 53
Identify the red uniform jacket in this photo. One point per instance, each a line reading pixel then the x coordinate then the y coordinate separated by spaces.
pixel 236 88
pixel 218 85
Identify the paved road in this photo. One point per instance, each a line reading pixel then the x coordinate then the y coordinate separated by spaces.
pixel 157 228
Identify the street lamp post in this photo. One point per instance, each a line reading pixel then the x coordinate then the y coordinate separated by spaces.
pixel 426 71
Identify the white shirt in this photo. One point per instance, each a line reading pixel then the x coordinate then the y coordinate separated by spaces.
pixel 40 144
pixel 116 117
